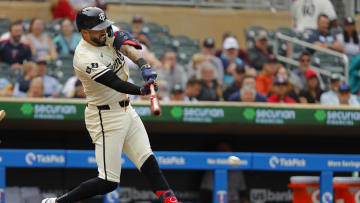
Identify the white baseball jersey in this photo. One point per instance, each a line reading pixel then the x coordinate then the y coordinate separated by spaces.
pixel 90 62
pixel 118 129
pixel 305 13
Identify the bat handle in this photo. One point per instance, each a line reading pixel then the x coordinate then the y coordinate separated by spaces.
pixel 152 89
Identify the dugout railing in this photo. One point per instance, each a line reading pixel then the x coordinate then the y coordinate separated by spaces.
pixel 327 164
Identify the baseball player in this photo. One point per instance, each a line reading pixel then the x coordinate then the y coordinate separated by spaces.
pixel 113 124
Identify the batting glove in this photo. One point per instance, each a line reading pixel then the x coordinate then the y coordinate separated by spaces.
pixel 145 90
pixel 147 73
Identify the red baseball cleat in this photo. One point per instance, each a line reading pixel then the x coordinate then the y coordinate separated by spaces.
pixel 168 197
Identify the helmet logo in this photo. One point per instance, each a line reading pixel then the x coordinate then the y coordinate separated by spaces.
pixel 102 16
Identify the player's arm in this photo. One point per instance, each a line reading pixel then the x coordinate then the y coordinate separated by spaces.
pixel 100 73
pixel 110 79
pixel 126 44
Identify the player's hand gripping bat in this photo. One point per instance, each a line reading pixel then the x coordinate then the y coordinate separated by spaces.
pixel 154 101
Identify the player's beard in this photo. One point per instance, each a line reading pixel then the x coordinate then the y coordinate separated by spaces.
pixel 98 41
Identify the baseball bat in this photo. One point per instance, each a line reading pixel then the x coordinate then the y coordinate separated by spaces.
pixel 154 101
pixel 2 114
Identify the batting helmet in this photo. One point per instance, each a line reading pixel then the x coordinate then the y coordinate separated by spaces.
pixel 92 18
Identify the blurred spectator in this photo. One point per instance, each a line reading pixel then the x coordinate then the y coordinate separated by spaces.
pixel 7 35
pixel 79 90
pixel 264 79
pixel 177 94
pixel 5 87
pixel 62 9
pixel 66 41
pixel 312 91
pixel 238 76
pixel 13 51
pixel 280 91
pixel 349 38
pixel 242 54
pixel 304 13
pixel 51 85
pixel 230 58
pixel 196 60
pixel 208 49
pixel 237 190
pixel 298 76
pixel 192 90
pixel 354 75
pixel 30 71
pixel 150 58
pixel 172 72
pixel 259 54
pixel 283 73
pixel 210 89
pixel 77 5
pixel 345 96
pixel 330 97
pixel 137 23
pixel 69 88
pixel 163 92
pixel 40 43
pixel 322 36
pixel 36 88
pixel 247 92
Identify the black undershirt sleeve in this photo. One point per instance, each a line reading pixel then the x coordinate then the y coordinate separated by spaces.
pixel 110 79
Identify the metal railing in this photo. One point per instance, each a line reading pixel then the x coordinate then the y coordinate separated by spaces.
pixel 244 4
pixel 344 57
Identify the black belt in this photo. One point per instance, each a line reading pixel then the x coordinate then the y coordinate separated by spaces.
pixel 123 103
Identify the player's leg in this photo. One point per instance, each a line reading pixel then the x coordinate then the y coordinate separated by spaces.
pixel 108 148
pixel 137 148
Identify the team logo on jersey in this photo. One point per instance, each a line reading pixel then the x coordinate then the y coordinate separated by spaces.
pixel 102 16
pixel 93 65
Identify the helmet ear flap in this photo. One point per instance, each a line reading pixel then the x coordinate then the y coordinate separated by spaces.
pixel 110 31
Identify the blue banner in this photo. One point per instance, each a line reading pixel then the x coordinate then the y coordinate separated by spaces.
pixel 187 160
pixel 340 162
pixel 33 158
pixel 167 160
pixel 219 162
pixel 201 160
pixel 305 162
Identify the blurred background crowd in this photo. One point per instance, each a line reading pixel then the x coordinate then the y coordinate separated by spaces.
pixel 36 59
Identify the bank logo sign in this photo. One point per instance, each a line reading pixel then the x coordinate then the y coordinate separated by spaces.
pixel 48 111
pixel 327 197
pixel 225 161
pixel 262 195
pixel 221 196
pixel 196 114
pixel 142 110
pixel 31 158
pixel 276 162
pixel 343 164
pixel 269 116
pixel 337 117
pixel 171 160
